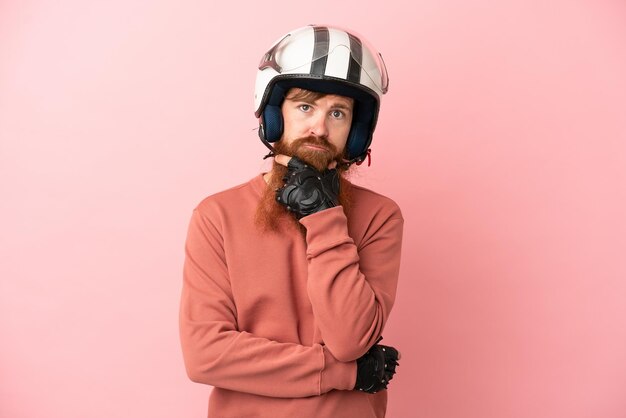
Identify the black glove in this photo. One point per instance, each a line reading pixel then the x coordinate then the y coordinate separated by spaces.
pixel 306 190
pixel 376 368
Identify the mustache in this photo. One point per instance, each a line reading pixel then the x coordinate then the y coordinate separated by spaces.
pixel 313 140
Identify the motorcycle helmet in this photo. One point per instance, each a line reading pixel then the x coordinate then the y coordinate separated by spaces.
pixel 323 59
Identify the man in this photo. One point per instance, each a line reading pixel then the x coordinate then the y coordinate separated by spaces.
pixel 289 278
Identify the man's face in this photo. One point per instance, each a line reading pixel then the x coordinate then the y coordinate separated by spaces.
pixel 315 129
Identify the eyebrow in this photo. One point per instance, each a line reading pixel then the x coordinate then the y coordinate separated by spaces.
pixel 341 106
pixel 312 102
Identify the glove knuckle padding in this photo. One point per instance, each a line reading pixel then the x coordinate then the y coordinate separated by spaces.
pixel 391 361
pixel 376 368
pixel 306 190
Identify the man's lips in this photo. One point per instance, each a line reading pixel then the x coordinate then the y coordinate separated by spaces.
pixel 318 147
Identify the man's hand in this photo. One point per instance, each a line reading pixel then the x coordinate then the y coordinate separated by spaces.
pixel 306 190
pixel 376 368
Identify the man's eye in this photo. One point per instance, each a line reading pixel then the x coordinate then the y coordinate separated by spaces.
pixel 305 107
pixel 337 114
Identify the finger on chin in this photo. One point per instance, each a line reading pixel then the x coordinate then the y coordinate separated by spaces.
pixel 282 159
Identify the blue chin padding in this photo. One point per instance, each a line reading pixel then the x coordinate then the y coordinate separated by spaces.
pixel 272 115
pixel 360 135
pixel 273 123
pixel 357 140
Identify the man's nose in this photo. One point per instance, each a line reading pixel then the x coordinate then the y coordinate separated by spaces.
pixel 319 127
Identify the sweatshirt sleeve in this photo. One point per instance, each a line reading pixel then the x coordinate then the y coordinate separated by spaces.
pixel 352 290
pixel 217 354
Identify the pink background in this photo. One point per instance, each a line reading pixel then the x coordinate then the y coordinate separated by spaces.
pixel 503 139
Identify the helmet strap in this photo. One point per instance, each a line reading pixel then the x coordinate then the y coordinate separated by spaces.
pixel 368 154
pixel 267 144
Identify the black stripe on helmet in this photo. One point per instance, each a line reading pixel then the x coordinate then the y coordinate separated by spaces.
pixel 320 50
pixel 356 57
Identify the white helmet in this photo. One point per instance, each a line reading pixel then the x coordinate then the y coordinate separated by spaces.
pixel 328 60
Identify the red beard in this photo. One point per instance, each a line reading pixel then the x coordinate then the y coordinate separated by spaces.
pixel 270 214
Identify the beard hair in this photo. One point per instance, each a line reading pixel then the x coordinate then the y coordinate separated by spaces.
pixel 270 214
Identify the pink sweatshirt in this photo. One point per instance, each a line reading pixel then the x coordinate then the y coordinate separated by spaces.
pixel 275 321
